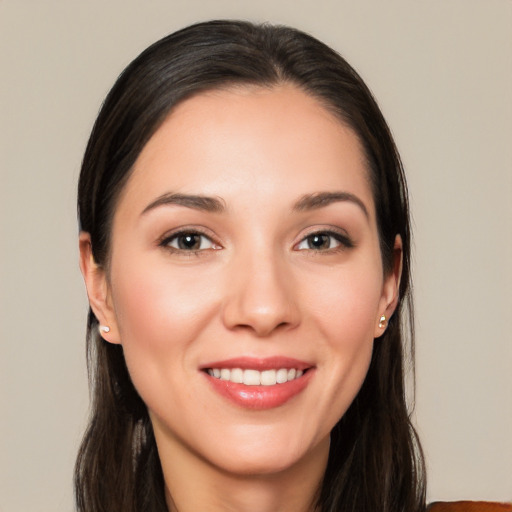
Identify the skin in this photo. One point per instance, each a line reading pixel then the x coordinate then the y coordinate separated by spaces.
pixel 256 287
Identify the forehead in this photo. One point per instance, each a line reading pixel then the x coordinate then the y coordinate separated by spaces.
pixel 249 140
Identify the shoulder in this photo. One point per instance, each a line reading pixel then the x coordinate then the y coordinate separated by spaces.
pixel 469 506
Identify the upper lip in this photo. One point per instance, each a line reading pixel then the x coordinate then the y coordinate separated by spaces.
pixel 260 364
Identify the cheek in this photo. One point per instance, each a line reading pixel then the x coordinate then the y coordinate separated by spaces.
pixel 160 312
pixel 345 314
pixel 157 299
pixel 346 305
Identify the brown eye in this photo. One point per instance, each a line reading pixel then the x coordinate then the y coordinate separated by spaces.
pixel 319 241
pixel 189 241
pixel 324 241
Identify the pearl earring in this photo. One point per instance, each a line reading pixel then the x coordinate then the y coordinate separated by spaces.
pixel 382 321
pixel 104 329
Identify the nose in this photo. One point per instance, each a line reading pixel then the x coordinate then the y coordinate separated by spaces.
pixel 261 297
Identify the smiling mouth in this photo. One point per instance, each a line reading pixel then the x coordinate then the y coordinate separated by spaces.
pixel 251 377
pixel 259 383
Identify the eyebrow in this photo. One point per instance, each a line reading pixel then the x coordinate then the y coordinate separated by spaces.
pixel 307 202
pixel 196 202
pixel 322 199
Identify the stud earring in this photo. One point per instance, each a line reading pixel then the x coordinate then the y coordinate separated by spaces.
pixel 104 328
pixel 382 321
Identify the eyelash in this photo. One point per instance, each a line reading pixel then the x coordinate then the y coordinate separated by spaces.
pixel 342 240
pixel 167 240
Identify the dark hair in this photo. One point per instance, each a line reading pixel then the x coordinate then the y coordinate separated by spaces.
pixel 375 461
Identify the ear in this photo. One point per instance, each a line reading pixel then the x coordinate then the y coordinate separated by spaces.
pixel 98 290
pixel 390 290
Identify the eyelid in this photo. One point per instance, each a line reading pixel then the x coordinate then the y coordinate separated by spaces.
pixel 165 239
pixel 342 237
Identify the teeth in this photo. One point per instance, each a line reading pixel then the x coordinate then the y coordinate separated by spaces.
pixel 254 377
pixel 282 375
pixel 268 377
pixel 237 375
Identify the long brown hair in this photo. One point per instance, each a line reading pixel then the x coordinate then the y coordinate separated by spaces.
pixel 375 462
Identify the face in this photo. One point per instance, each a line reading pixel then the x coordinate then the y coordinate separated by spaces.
pixel 245 283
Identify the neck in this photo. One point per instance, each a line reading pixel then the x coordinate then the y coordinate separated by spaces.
pixel 193 484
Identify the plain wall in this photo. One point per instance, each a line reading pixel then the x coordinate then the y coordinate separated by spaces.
pixel 442 73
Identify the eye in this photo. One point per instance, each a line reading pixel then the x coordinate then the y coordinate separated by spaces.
pixel 325 241
pixel 189 241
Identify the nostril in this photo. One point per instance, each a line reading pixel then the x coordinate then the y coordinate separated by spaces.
pixel 262 328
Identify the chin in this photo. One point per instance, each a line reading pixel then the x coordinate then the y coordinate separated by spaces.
pixel 271 457
pixel 261 465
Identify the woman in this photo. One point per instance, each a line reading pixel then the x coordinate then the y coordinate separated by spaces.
pixel 245 246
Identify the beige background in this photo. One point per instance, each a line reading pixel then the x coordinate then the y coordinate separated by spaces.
pixel 442 72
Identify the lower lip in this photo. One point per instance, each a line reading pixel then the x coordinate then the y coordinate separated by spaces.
pixel 260 397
